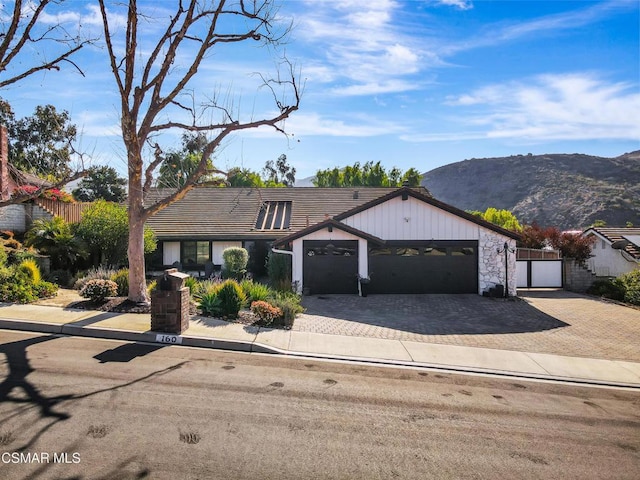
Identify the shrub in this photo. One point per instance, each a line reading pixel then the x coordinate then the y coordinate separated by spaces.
pixel 210 304
pixel 61 277
pixel 255 291
pixel 100 273
pixel 235 262
pixel 289 303
pixel 151 287
pixel 98 290
pixel 279 270
pixel 607 289
pixel 630 282
pixel 3 256
pixel 104 227
pixel 232 298
pixel 45 289
pixel 17 291
pixel 202 287
pixel 266 312
pixel 17 285
pixel 192 283
pixel 222 299
pixel 121 278
pixel 30 269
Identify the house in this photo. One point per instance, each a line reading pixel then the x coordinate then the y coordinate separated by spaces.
pixel 198 228
pixel 403 239
pixel 19 217
pixel 15 217
pixel 616 250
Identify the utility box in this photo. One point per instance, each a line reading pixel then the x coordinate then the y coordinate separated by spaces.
pixel 170 303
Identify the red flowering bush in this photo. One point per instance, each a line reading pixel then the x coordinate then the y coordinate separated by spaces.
pixel 58 195
pixel 265 311
pixel 51 194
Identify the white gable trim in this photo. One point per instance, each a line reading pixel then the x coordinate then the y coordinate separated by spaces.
pixel 413 219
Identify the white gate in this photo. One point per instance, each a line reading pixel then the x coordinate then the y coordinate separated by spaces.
pixel 539 273
pixel 538 268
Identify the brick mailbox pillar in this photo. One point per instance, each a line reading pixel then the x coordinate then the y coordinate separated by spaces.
pixel 170 303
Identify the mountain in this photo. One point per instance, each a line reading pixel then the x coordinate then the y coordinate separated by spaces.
pixel 568 191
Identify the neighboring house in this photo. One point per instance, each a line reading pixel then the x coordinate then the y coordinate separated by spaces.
pixel 615 251
pixel 19 217
pixel 14 217
pixel 403 239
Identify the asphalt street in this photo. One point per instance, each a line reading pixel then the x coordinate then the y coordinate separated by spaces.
pixel 79 408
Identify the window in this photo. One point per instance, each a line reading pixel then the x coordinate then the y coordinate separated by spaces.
pixel 435 251
pixel 407 252
pixel 274 216
pixel 375 251
pixel 195 253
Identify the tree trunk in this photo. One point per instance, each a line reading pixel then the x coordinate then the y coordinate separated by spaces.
pixel 137 280
pixel 135 251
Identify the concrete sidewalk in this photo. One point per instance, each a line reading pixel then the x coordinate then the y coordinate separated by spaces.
pixel 211 333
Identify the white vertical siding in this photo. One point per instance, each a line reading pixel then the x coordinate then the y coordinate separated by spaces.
pixel 609 262
pixel 412 219
pixel 325 234
pixel 218 247
pixel 170 252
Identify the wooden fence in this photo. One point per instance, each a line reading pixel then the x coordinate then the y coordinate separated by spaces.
pixel 70 212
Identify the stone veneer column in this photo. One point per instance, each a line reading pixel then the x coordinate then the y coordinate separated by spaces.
pixel 491 263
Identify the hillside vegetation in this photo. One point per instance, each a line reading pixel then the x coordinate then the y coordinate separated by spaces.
pixel 569 191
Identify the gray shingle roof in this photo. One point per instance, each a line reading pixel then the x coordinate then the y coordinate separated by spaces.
pixel 230 213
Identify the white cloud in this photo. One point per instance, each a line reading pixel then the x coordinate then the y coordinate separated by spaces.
pixel 497 34
pixel 461 4
pixel 548 107
pixel 314 124
pixel 375 88
pixel 364 48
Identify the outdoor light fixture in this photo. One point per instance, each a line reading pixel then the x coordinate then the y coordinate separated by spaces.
pixel 505 248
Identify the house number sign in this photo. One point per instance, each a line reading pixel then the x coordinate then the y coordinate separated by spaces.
pixel 171 339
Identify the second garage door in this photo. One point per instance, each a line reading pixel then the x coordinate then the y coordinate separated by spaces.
pixel 424 267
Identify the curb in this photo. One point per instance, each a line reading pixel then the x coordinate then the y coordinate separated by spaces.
pixel 254 347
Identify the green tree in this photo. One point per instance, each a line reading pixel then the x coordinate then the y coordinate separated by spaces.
pixel 412 178
pixel 56 239
pixel 41 144
pixel 244 177
pixel 502 218
pixel 179 165
pixel 368 175
pixel 105 228
pixel 101 183
pixel 279 172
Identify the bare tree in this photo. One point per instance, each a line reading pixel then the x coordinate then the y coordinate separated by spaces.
pixel 152 94
pixel 26 41
pixel 32 41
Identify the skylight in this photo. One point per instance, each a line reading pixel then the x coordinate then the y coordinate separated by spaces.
pixel 274 216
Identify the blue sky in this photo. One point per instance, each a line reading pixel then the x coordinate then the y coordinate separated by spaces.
pixel 409 83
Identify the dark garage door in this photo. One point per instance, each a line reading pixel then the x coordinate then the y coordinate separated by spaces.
pixel 330 266
pixel 424 267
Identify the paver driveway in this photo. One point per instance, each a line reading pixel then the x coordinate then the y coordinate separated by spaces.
pixel 555 322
